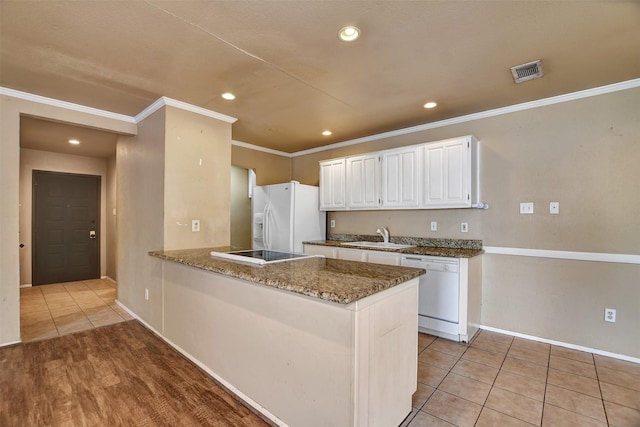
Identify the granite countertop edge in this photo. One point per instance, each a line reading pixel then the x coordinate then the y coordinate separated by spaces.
pixel 332 280
pixel 450 252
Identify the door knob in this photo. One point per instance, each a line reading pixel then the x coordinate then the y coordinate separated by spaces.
pixel 92 234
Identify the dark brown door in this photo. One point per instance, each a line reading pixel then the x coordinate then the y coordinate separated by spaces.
pixel 66 226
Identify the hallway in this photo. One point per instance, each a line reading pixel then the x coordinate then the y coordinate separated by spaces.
pixel 49 311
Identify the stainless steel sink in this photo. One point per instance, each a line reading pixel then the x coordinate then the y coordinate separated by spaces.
pixel 379 245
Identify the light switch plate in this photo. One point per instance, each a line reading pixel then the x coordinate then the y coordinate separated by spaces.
pixel 195 225
pixel 464 227
pixel 554 208
pixel 434 226
pixel 333 223
pixel 526 207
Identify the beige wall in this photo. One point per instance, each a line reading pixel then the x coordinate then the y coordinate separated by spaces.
pixel 10 110
pixel 240 209
pixel 31 160
pixel 140 217
pixel 270 168
pixel 162 186
pixel 110 216
pixel 197 180
pixel 583 154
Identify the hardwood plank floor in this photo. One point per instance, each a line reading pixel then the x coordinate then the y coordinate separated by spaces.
pixel 117 375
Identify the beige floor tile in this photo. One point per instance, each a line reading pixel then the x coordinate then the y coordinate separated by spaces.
pixel 484 357
pixel 622 416
pixel 74 322
pixel 529 355
pixel 521 385
pixel 75 286
pixel 569 353
pixel 488 344
pixel 33 303
pixel 89 301
pixel 422 419
pixel 449 347
pixel 575 402
pixel 63 311
pixel 436 358
pixel 422 394
pixel 466 388
pixel 102 316
pixel 477 371
pixel 490 418
pixel 558 417
pixel 452 409
pixel 522 367
pixel 495 336
pixel 107 295
pixel 515 405
pixel 425 340
pixel 430 375
pixel 620 378
pixel 525 344
pixel 30 290
pixel 38 331
pixel 573 366
pixel 31 318
pixel 617 364
pixel 620 395
pixel 59 299
pixel 574 382
pixel 54 288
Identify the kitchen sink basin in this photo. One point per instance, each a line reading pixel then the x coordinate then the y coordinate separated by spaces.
pixel 379 245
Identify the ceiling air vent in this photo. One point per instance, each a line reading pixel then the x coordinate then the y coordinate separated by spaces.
pixel 528 71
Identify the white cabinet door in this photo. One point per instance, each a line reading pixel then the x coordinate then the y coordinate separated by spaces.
pixel 387 258
pixel 352 254
pixel 325 251
pixel 363 181
pixel 332 185
pixel 400 177
pixel 447 174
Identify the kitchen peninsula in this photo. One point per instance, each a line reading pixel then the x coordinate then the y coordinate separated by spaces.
pixel 311 341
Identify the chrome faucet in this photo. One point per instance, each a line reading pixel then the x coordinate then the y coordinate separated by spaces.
pixel 384 233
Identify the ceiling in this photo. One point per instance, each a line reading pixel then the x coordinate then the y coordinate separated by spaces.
pixel 293 78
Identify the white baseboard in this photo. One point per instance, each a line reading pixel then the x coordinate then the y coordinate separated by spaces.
pixel 107 278
pixel 26 285
pixel 262 411
pixel 563 344
pixel 7 344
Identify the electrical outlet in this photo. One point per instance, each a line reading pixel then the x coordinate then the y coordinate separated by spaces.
pixel 434 226
pixel 333 223
pixel 146 294
pixel 610 315
pixel 526 208
pixel 554 208
pixel 464 227
pixel 195 225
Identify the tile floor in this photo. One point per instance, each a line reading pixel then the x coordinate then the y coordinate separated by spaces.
pixel 499 380
pixel 47 311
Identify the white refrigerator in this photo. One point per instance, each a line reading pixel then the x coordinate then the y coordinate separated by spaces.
pixel 285 215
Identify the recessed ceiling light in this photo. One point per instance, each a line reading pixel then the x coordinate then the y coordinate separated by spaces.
pixel 431 104
pixel 326 133
pixel 349 33
pixel 74 141
pixel 228 96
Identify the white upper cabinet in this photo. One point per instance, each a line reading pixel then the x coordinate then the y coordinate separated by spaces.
pixel 434 175
pixel 449 173
pixel 332 185
pixel 400 177
pixel 363 181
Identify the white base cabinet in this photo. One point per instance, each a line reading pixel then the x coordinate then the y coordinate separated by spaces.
pixel 375 257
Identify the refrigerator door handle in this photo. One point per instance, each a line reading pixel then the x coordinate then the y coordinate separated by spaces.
pixel 265 227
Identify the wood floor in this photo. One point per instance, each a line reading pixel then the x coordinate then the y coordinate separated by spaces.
pixel 117 375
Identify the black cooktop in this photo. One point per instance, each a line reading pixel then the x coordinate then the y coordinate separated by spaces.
pixel 269 255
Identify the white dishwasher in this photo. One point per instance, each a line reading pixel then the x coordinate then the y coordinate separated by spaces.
pixel 438 294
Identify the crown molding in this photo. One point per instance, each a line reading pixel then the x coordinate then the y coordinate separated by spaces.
pixel 164 101
pixel 615 87
pixel 258 148
pixel 66 105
